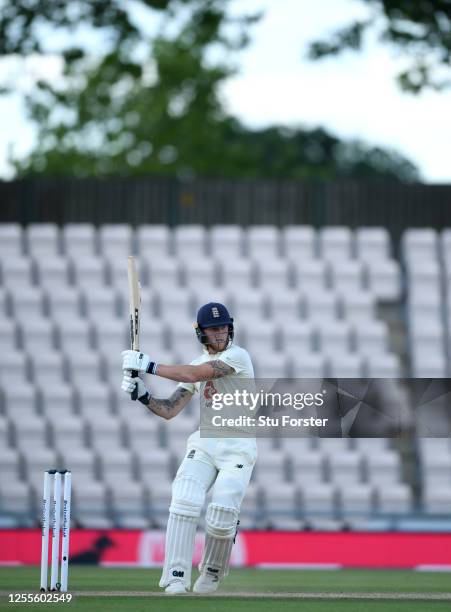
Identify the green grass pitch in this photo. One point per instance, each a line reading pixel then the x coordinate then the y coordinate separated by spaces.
pixel 247 590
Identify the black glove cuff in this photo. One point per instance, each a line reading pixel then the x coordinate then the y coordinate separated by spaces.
pixel 144 399
pixel 152 367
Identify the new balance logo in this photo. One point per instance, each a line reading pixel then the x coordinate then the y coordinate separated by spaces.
pixel 239 465
pixel 178 574
pixel 215 312
pixel 190 455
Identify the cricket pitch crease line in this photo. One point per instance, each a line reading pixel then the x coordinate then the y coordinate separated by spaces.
pixel 275 595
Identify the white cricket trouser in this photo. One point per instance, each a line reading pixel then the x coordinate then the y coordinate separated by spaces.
pixel 230 463
pixel 224 464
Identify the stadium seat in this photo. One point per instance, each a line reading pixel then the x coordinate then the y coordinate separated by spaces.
pixel 436 501
pixel 37 334
pixel 383 278
pixel 63 303
pixel 189 242
pixel 154 241
pixel 335 243
pixel 333 337
pixel 30 432
pixel 115 241
pixel 226 242
pixel 15 501
pixel 394 498
pixel 74 335
pixel 262 242
pixel 42 240
pixel 309 275
pixel 372 243
pixel 321 306
pixel 20 399
pixel 281 506
pixel 8 334
pixel 99 303
pixel 200 272
pixel 357 306
pixel 163 273
pixel 52 271
pixel 308 468
pixel 26 303
pixel 383 468
pixel 11 240
pixel 344 365
pixel 284 306
pixel 299 242
pixel 346 276
pixel 95 398
pixel 105 436
pixel 271 468
pixel 344 468
pixel 117 466
pixel 14 368
pixel 370 337
pixel 318 499
pixel 91 504
pixel 84 367
pixel 422 244
pixel 111 335
pixel 152 461
pixel 128 505
pixel 82 461
pixel 308 365
pixel 56 400
pixel 66 431
pixel 9 466
pixel 89 272
pixel 5 434
pixel 35 461
pixel 79 240
pixel 356 501
pixel 236 274
pixel 16 272
pixel 272 275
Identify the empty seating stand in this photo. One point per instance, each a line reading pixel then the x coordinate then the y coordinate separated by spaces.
pixel 306 305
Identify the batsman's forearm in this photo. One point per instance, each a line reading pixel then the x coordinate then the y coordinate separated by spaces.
pixel 169 408
pixel 179 373
pixel 162 407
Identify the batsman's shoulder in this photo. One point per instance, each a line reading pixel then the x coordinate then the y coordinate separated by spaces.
pixel 239 358
pixel 238 351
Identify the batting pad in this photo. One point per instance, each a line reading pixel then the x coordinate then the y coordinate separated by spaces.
pixel 188 495
pixel 179 547
pixel 220 531
pixel 220 521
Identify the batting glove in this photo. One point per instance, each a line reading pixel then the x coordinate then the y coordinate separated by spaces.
pixel 134 360
pixel 129 384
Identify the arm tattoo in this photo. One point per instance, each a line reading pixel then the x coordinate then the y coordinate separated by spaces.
pixel 220 369
pixel 175 403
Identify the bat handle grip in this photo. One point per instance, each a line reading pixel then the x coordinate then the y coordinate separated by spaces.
pixel 134 394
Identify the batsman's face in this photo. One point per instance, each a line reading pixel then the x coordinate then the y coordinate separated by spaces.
pixel 217 337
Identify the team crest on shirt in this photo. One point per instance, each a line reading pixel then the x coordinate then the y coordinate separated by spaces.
pixel 209 391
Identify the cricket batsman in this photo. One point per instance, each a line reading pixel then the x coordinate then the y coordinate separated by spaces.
pixel 225 464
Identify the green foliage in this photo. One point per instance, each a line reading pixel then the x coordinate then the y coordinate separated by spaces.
pixel 421 31
pixel 144 99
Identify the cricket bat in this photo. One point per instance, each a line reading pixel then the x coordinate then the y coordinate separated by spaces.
pixel 135 310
